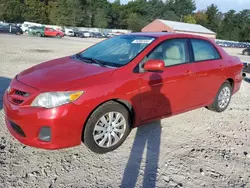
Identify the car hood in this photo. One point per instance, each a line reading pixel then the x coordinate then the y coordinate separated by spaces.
pixel 60 74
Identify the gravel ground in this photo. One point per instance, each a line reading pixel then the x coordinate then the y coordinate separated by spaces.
pixel 197 149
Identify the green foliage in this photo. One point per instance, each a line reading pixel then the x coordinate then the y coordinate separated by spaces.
pixel 11 10
pixel 35 11
pixel 182 7
pixel 201 18
pixel 189 19
pixel 66 13
pixel 212 17
pixel 134 22
pixel 235 26
pixel 115 15
pixel 100 19
pixel 133 15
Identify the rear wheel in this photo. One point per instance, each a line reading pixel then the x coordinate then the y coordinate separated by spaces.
pixel 107 128
pixel 245 52
pixel 222 99
pixel 39 34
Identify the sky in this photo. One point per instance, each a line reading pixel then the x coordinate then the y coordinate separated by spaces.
pixel 223 5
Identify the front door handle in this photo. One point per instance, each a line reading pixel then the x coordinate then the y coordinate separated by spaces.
pixel 221 66
pixel 188 73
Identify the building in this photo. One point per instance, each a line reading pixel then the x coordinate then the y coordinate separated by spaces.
pixel 178 27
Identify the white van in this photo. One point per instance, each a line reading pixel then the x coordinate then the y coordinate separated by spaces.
pixel 69 32
pixel 25 26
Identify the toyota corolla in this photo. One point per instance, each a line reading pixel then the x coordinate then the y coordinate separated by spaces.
pixel 99 94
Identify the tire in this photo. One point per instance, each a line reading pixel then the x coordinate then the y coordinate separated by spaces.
pixel 18 33
pixel 58 36
pixel 245 52
pixel 88 135
pixel 39 34
pixel 216 106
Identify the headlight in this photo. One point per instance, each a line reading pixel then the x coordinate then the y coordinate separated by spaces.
pixel 55 99
pixel 8 89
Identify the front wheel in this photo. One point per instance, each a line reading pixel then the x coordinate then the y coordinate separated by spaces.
pixel 107 128
pixel 58 36
pixel 223 98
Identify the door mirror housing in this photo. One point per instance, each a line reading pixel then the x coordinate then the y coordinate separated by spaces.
pixel 154 65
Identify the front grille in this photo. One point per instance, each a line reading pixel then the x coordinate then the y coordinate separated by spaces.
pixel 17 101
pixel 17 129
pixel 18 96
pixel 21 93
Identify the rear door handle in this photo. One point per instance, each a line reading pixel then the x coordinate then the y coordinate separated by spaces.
pixel 189 73
pixel 221 66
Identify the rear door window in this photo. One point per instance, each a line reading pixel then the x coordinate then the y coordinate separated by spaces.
pixel 204 50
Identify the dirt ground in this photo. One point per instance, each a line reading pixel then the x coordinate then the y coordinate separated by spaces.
pixel 197 149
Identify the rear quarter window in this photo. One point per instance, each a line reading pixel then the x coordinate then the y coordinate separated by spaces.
pixel 204 50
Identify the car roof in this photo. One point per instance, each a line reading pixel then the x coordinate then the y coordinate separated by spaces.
pixel 164 34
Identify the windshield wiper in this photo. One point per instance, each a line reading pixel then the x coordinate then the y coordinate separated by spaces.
pixel 96 61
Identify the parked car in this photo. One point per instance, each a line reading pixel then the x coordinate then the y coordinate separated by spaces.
pixel 96 35
pixel 76 33
pixel 116 85
pixel 84 34
pixel 246 51
pixel 69 32
pixel 36 30
pixel 246 67
pixel 110 35
pixel 45 32
pixel 10 29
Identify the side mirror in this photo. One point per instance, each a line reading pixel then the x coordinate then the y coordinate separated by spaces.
pixel 154 65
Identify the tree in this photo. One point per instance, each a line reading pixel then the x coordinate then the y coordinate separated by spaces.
pixel 100 19
pixel 182 7
pixel 51 12
pixel 201 18
pixel 67 13
pixel 11 11
pixel 212 18
pixel 35 11
pixel 189 19
pixel 134 22
pixel 114 14
pixel 228 24
pixel 134 15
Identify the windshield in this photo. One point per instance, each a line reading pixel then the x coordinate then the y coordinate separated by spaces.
pixel 117 51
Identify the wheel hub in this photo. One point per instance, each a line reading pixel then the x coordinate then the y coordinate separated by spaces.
pixel 224 97
pixel 109 129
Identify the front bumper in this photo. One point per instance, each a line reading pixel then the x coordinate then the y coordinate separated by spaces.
pixel 65 122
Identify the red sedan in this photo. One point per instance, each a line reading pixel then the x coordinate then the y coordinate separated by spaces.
pixel 97 96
